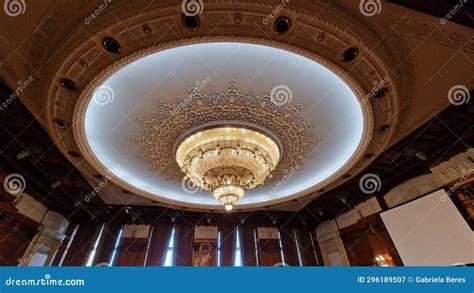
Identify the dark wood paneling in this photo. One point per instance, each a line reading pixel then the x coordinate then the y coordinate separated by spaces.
pixel 16 232
pixel 45 164
pixel 444 136
pixel 160 236
pixel 183 244
pixel 205 253
pixel 228 242
pixel 269 252
pixel 247 245
pixel 463 10
pixel 132 252
pixel 367 239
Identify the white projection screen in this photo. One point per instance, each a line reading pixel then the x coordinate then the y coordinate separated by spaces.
pixel 430 231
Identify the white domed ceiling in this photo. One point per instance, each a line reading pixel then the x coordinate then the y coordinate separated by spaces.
pixel 110 125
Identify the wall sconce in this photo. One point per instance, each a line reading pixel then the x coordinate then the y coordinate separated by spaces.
pixel 383 260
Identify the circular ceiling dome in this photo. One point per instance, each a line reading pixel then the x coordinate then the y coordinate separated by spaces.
pixel 314 96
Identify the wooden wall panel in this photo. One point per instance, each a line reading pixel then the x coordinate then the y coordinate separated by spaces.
pixel 247 245
pixel 132 252
pixel 366 240
pixel 183 244
pixel 205 253
pixel 16 232
pixel 269 252
pixel 159 240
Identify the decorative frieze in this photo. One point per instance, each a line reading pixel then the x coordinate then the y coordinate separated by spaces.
pixel 456 167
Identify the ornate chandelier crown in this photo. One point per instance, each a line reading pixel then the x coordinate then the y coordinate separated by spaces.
pixel 226 142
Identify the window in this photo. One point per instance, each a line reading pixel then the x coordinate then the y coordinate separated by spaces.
pixel 281 248
pixel 94 249
pixel 255 242
pixel 117 242
pixel 238 254
pixel 169 251
pixel 219 248
pixel 314 250
pixel 298 247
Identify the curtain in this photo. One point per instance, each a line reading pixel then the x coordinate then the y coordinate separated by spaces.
pixel 247 245
pixel 158 243
pixel 307 252
pixel 228 242
pixel 82 243
pixel 288 243
pixel 183 244
pixel 107 243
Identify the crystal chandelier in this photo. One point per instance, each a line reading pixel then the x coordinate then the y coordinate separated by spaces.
pixel 227 160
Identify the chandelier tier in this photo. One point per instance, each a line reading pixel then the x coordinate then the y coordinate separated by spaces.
pixel 228 160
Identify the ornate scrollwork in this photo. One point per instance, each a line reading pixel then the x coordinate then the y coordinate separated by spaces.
pixel 159 133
